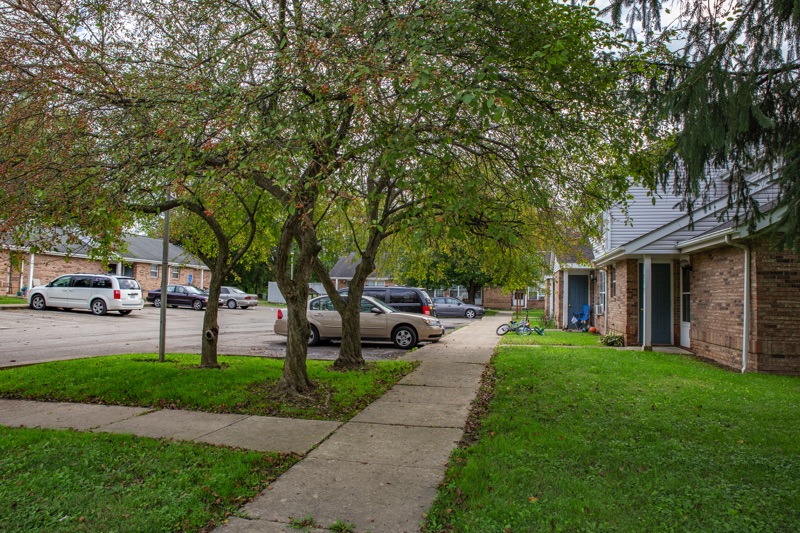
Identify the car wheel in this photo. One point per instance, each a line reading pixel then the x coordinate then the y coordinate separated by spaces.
pixel 404 337
pixel 37 302
pixel 197 305
pixel 470 313
pixel 231 304
pixel 98 307
pixel 125 312
pixel 313 336
pixel 157 302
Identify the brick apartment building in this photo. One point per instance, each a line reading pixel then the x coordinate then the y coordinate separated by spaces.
pixel 21 269
pixel 714 288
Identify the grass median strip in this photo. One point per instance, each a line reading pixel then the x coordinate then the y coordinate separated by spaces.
pixel 595 439
pixel 69 481
pixel 243 384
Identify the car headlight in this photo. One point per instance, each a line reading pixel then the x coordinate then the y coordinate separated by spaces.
pixel 432 321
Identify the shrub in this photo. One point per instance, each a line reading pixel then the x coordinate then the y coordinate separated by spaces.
pixel 613 339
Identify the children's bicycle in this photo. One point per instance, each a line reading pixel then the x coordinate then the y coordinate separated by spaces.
pixel 522 327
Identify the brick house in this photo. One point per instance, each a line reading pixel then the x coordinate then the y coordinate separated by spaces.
pixel 703 284
pixel 568 288
pixel 142 260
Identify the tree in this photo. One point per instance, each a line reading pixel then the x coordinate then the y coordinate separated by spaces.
pixel 319 101
pixel 729 99
pixel 220 227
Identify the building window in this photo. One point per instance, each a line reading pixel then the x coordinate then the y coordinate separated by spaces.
pixel 153 271
pixel 375 283
pixel 535 293
pixel 176 272
pixel 601 293
pixel 613 281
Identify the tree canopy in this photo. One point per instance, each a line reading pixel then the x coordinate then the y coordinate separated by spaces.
pixel 729 97
pixel 453 118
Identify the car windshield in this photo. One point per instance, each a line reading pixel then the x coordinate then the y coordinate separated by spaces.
pixel 191 289
pixel 235 290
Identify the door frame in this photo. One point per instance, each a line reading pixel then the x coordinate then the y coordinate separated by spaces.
pixel 669 300
pixel 567 316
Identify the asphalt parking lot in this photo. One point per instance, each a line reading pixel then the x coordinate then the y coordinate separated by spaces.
pixel 28 336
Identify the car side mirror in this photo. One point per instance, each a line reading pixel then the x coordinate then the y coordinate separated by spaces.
pixel 377 310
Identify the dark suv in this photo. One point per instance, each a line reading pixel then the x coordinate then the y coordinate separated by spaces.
pixel 405 299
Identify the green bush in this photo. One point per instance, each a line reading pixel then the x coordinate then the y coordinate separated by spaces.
pixel 613 339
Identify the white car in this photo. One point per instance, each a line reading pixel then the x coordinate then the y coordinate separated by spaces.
pixel 379 322
pixel 98 293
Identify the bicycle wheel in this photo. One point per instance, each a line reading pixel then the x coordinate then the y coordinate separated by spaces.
pixel 524 329
pixel 503 329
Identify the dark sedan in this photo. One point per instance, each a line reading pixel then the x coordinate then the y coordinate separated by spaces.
pixel 180 295
pixel 455 307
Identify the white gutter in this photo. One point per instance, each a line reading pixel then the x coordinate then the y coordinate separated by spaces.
pixel 746 312
pixel 610 257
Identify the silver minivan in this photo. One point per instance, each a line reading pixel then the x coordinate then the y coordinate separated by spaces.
pixel 98 293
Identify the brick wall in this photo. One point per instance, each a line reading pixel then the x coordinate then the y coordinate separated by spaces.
pixel 141 271
pixel 497 298
pixel 716 298
pixel 559 301
pixel 10 276
pixel 622 305
pixel 775 310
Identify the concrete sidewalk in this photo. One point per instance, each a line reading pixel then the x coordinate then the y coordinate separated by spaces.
pixel 380 471
pixel 261 433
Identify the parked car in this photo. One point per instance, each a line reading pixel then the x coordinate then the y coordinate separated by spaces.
pixel 233 298
pixel 403 299
pixel 379 322
pixel 177 295
pixel 454 307
pixel 98 293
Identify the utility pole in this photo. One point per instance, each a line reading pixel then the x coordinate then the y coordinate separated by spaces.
pixel 162 332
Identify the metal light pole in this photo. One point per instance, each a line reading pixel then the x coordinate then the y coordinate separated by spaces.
pixel 162 332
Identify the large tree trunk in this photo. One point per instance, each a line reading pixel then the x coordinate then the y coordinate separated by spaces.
pixel 210 338
pixel 295 380
pixel 350 354
pixel 472 290
pixel 294 287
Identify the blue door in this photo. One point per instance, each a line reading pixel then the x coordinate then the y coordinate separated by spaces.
pixel 578 294
pixel 661 321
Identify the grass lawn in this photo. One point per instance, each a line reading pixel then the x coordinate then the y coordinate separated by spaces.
pixel 552 337
pixel 72 481
pixel 595 439
pixel 242 385
pixel 69 481
pixel 12 300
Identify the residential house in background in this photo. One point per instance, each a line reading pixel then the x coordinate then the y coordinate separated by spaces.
pixel 568 288
pixel 345 268
pixel 142 260
pixel 702 283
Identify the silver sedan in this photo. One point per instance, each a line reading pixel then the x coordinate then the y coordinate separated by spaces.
pixel 446 306
pixel 232 297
